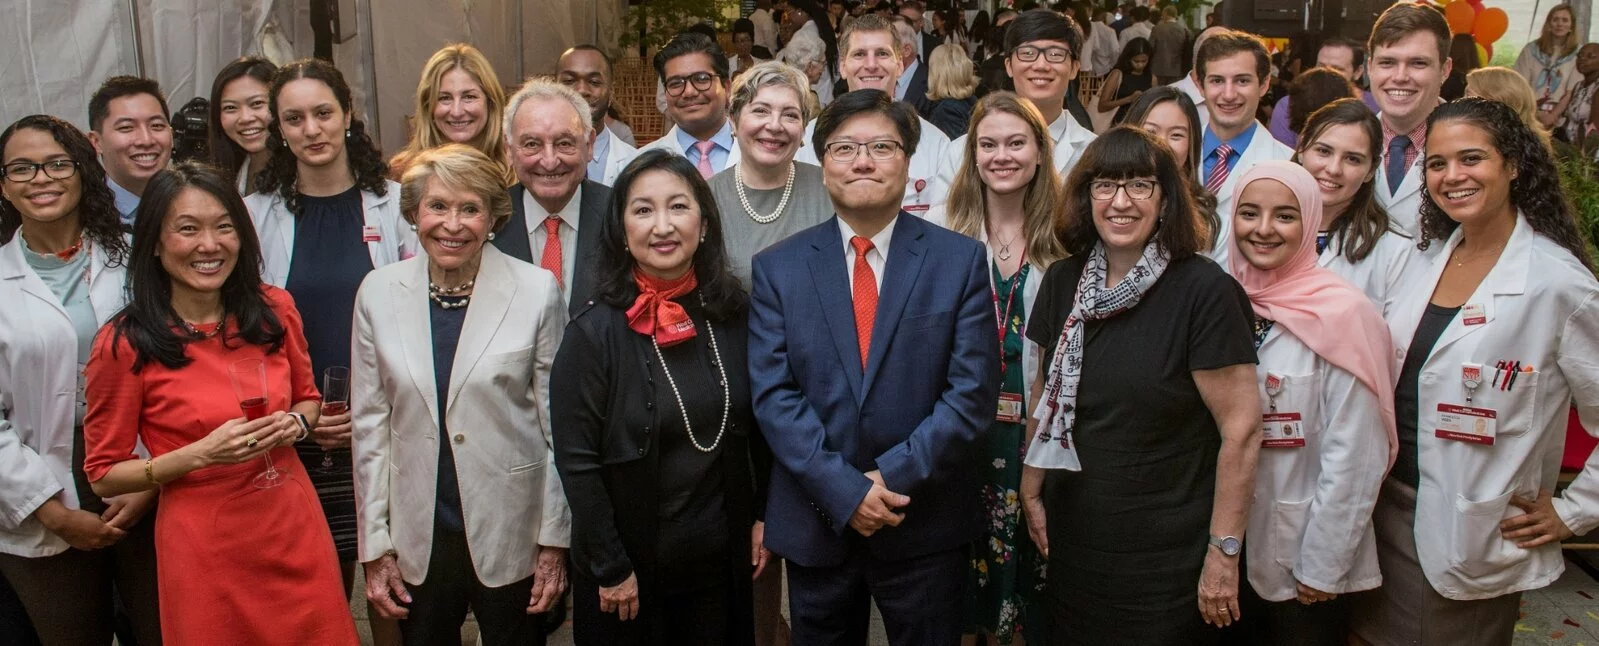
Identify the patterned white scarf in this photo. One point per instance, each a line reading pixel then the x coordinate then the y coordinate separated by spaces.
pixel 1051 447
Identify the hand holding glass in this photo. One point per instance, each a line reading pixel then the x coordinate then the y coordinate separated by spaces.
pixel 249 385
pixel 335 401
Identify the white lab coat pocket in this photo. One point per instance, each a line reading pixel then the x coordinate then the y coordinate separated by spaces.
pixel 1479 552
pixel 1517 408
pixel 1288 530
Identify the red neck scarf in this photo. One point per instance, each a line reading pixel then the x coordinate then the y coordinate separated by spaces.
pixel 654 313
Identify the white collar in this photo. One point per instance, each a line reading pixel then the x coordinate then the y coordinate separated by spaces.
pixel 536 213
pixel 879 241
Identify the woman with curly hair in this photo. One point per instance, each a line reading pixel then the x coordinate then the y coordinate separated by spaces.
pixel 1495 336
pixel 63 264
pixel 459 100
pixel 327 216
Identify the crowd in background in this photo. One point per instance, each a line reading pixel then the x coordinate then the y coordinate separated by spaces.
pixel 1243 347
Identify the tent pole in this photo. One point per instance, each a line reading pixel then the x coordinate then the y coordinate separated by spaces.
pixel 521 38
pixel 138 45
pixel 363 22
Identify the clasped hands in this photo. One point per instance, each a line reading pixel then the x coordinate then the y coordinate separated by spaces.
pixel 879 507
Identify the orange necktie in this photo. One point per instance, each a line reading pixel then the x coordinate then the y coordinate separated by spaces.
pixel 865 297
pixel 551 258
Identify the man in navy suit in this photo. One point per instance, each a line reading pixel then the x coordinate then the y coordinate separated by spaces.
pixel 874 366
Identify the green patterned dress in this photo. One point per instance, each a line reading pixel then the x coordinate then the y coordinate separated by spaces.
pixel 1005 585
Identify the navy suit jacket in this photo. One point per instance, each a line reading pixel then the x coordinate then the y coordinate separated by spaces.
pixel 928 392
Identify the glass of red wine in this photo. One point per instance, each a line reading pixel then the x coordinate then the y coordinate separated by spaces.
pixel 250 386
pixel 335 401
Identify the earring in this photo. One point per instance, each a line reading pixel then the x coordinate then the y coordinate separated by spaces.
pixel 491 236
pixel 346 134
pixel 413 226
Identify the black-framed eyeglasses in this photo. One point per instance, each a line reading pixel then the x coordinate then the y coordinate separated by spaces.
pixel 877 149
pixel 54 169
pixel 1028 54
pixel 701 81
pixel 1104 190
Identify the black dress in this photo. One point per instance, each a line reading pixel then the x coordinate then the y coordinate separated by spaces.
pixel 329 262
pixel 1127 534
pixel 1131 83
pixel 645 499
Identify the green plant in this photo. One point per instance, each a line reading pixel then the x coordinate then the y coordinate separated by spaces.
pixel 1579 178
pixel 653 23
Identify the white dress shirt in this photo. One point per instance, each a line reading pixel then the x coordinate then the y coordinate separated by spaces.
pixel 876 257
pixel 567 233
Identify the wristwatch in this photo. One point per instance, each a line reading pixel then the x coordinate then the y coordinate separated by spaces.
pixel 305 425
pixel 1229 545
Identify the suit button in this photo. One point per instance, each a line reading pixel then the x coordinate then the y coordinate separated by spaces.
pixel 649 405
pixel 641 451
pixel 459 438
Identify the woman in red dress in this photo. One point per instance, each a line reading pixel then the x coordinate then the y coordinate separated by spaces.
pixel 237 562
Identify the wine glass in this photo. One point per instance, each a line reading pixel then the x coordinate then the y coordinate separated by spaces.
pixel 250 386
pixel 335 401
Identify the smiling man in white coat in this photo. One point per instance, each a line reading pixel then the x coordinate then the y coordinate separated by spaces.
pixel 1409 62
pixel 1233 69
pixel 869 59
pixel 1044 56
pixel 693 69
pixel 587 70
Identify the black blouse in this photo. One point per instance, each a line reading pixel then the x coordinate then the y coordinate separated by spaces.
pixel 644 499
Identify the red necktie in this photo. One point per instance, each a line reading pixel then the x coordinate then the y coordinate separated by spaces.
pixel 705 158
pixel 551 258
pixel 1218 173
pixel 865 297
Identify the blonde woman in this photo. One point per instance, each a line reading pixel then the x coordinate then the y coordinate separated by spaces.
pixel 459 100
pixel 1005 194
pixel 1549 63
pixel 1506 86
pixel 951 81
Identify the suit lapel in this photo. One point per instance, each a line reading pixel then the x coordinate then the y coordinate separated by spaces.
pixel 512 239
pixel 838 308
pixel 904 264
pixel 591 211
pixel 491 300
pixel 411 313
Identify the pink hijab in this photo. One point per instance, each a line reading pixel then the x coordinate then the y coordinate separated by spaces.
pixel 1333 318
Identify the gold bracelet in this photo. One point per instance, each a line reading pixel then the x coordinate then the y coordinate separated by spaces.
pixel 149 472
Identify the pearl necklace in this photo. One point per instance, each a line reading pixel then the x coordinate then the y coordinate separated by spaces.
pixel 438 294
pixel 727 400
pixel 738 183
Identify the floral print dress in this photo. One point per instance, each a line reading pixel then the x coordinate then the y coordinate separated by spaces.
pixel 1005 585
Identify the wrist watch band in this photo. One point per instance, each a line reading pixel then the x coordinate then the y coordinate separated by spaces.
pixel 1229 545
pixel 305 425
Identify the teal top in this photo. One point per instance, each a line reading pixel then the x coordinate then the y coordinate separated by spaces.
pixel 69 281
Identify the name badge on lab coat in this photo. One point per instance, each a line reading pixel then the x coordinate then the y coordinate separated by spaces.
pixel 371 234
pixel 1472 314
pixel 1467 424
pixel 1282 431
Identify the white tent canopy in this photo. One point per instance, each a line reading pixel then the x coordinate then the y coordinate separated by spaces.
pixel 55 53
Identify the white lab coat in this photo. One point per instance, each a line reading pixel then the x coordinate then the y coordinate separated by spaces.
pixel 1403 207
pixel 922 188
pixel 669 143
pixel 1311 518
pixel 617 155
pixel 274 225
pixel 1380 274
pixel 1068 148
pixel 38 385
pixel 1262 147
pixel 1542 309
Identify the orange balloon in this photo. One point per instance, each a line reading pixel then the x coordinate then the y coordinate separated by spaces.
pixel 1491 24
pixel 1461 17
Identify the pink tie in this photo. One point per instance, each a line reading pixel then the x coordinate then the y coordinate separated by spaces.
pixel 1218 173
pixel 705 157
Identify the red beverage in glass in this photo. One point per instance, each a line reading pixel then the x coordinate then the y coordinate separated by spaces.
pixel 254 408
pixel 335 408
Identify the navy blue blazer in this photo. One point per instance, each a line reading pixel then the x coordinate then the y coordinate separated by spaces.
pixel 928 392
